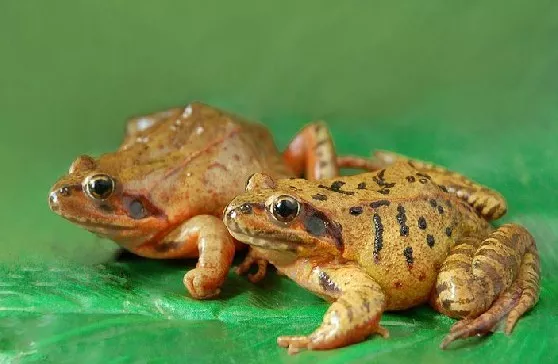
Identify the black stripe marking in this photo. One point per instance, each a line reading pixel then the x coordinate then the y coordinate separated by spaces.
pixel 361 186
pixel 408 253
pixel 402 219
pixel 379 203
pixel 378 236
pixel 319 197
pixel 433 203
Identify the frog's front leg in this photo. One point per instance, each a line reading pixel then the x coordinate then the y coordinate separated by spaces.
pixel 208 236
pixel 484 281
pixel 353 316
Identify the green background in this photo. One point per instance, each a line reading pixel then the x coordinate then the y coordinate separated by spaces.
pixel 470 85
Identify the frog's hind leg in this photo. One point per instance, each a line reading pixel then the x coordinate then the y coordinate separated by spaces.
pixel 488 203
pixel 353 316
pixel 137 126
pixel 311 153
pixel 483 281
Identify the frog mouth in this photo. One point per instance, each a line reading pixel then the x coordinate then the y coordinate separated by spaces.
pixel 262 240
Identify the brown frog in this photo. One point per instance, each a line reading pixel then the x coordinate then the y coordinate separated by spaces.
pixel 162 193
pixel 407 234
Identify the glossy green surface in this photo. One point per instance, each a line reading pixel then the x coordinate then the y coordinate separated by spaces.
pixel 472 86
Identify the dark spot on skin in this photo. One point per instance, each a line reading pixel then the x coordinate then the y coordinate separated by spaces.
pixel 379 203
pixel 423 180
pixel 410 179
pixel 423 175
pixel 323 164
pixel 443 188
pixel 236 157
pixel 430 240
pixel 440 209
pixel 421 277
pixel 389 185
pixel 422 223
pixel 319 197
pixel 384 191
pixel 448 231
pixel 166 246
pixel 402 219
pixel 408 253
pixel 398 284
pixel 336 186
pixel 381 174
pixel 361 186
pixel 433 203
pixel 245 208
pixel 355 210
pixel 326 283
pixel 136 209
pixel 378 236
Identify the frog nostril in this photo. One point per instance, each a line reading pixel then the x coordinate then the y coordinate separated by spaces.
pixel 64 191
pixel 245 208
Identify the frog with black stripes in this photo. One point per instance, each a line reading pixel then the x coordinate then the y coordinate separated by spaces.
pixel 406 234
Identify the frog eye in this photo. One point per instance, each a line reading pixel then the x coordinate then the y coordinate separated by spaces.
pixel 285 208
pixel 99 186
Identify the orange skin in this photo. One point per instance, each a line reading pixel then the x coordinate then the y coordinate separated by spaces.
pixel 171 179
pixel 409 234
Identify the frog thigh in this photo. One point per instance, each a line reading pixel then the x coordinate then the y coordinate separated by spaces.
pixel 486 280
pixel 355 313
pixel 489 203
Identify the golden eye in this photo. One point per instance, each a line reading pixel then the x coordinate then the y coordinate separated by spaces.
pixel 285 208
pixel 99 186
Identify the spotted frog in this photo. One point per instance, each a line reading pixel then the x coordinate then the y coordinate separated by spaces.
pixel 408 233
pixel 162 193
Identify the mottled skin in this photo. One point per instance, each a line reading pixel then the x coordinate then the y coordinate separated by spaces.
pixel 408 234
pixel 171 178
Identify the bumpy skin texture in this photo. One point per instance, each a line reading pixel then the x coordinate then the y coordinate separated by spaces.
pixel 172 177
pixel 407 234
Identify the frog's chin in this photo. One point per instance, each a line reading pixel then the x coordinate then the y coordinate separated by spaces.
pixel 265 243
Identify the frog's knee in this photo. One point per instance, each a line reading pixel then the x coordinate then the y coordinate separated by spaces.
pixel 459 297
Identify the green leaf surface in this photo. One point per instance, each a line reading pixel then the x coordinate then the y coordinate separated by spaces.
pixel 471 86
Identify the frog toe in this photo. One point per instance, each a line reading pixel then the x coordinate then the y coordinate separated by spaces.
pixel 201 283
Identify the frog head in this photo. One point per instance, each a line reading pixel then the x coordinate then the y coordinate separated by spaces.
pixel 275 215
pixel 95 195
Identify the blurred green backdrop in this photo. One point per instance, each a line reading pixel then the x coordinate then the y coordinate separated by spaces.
pixel 471 85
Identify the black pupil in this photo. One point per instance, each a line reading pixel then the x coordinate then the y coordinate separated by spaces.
pixel 101 187
pixel 286 208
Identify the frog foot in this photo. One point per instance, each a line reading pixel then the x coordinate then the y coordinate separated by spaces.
pixel 251 259
pixel 203 282
pixel 318 340
pixel 487 322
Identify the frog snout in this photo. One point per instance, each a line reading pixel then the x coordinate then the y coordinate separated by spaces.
pixel 55 195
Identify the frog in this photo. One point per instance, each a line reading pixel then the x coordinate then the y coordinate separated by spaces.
pixel 407 234
pixel 161 194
